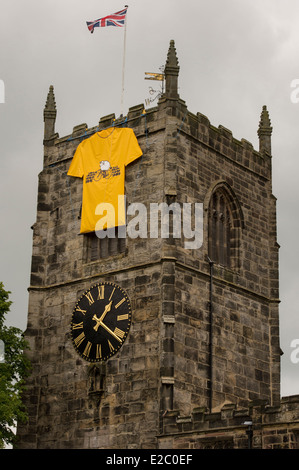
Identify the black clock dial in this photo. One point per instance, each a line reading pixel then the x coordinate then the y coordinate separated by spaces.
pixel 101 321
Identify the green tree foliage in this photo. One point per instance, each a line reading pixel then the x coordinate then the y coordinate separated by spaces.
pixel 13 370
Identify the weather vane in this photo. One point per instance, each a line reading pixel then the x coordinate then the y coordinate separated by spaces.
pixel 155 94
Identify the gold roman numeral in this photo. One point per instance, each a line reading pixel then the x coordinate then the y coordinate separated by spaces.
pixel 110 346
pixel 120 302
pixel 89 298
pixel 87 349
pixel 112 293
pixel 79 339
pixel 101 292
pixel 99 351
pixel 125 316
pixel 77 326
pixel 78 309
pixel 119 333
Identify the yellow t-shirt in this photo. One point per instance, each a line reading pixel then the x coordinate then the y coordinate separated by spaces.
pixel 101 160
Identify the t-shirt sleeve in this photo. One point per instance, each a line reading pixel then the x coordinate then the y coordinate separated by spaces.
pixel 133 149
pixel 76 167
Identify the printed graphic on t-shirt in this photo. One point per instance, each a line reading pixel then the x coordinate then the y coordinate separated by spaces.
pixel 105 171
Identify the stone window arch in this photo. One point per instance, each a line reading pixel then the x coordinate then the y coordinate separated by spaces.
pixel 225 221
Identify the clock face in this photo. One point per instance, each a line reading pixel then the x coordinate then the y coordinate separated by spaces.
pixel 101 321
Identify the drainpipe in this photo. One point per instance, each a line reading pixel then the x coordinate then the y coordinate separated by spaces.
pixel 211 263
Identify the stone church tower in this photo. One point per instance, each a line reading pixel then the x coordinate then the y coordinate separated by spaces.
pixel 204 338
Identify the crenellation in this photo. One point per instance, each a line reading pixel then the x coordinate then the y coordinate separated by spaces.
pixel 222 141
pixel 231 423
pixel 79 130
pixel 227 133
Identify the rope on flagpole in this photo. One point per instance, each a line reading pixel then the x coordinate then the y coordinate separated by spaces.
pixel 124 64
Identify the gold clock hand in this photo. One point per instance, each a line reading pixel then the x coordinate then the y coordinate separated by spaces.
pixel 109 331
pixel 98 320
pixel 95 318
pixel 107 309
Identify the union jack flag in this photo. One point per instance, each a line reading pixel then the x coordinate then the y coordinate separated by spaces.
pixel 116 19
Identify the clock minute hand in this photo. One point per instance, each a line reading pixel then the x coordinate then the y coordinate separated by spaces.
pixel 109 331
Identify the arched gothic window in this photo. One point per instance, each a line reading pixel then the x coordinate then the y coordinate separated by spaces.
pixel 225 222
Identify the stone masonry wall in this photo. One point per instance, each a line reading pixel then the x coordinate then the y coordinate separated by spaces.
pixel 246 353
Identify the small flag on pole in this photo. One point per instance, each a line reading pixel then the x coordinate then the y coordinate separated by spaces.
pixel 154 76
pixel 116 19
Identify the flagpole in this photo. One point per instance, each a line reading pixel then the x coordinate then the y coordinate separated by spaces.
pixel 124 64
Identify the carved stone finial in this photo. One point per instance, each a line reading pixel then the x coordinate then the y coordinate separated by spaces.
pixel 172 60
pixel 50 115
pixel 265 131
pixel 50 107
pixel 171 72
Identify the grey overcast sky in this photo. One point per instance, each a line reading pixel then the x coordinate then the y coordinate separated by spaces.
pixel 235 56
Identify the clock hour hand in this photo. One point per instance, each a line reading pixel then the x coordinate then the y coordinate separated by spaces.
pixel 107 309
pixel 98 320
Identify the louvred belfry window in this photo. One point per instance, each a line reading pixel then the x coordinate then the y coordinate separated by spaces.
pixel 97 248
